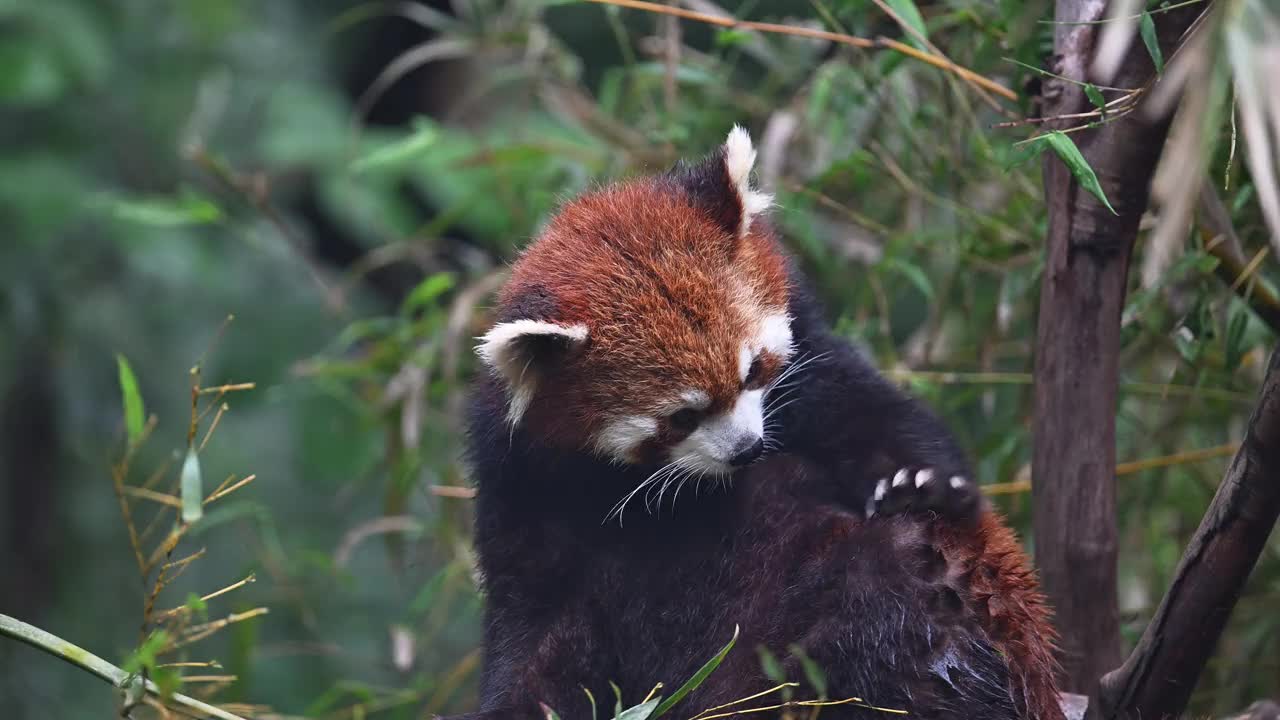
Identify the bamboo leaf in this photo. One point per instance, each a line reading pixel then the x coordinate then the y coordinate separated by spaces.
pixel 914 274
pixel 1147 29
pixel 163 211
pixel 192 488
pixel 427 291
pixel 698 677
pixel 617 694
pixel 772 668
pixel 639 712
pixel 812 672
pixel 400 152
pixel 910 14
pixel 133 412
pixel 1066 149
pixel 1095 96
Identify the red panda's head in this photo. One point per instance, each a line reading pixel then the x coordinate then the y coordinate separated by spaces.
pixel 648 319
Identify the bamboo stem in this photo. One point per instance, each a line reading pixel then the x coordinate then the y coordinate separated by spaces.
pixel 87 661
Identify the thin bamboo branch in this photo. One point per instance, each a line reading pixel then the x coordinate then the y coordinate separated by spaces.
pixel 87 661
pixel 937 61
pixel 1129 468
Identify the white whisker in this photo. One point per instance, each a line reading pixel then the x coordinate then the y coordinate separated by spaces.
pixel 674 479
pixel 650 502
pixel 796 366
pixel 778 409
pixel 622 504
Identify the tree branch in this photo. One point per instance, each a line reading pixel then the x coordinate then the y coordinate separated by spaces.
pixel 87 661
pixel 1157 679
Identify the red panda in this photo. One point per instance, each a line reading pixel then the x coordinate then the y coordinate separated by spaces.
pixel 657 334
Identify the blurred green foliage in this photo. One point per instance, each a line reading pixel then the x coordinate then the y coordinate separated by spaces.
pixel 169 164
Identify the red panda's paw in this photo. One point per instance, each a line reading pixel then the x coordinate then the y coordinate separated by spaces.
pixel 954 497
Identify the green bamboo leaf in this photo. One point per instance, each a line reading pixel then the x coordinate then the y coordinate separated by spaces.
pixel 1237 322
pixel 133 413
pixel 1019 154
pixel 144 657
pixel 770 665
pixel 908 11
pixel 198 606
pixel 162 211
pixel 772 668
pixel 427 291
pixel 1147 29
pixel 617 694
pixel 698 677
pixel 731 38
pixel 399 152
pixel 913 274
pixel 192 488
pixel 1066 149
pixel 639 712
pixel 812 672
pixel 1095 97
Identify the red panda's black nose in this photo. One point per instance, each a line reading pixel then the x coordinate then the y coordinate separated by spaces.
pixel 748 453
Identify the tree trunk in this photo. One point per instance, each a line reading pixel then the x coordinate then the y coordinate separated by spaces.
pixel 1078 343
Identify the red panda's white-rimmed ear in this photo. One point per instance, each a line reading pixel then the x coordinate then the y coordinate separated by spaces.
pixel 739 157
pixel 720 184
pixel 520 351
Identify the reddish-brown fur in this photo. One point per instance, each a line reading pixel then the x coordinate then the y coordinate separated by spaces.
pixel 1004 594
pixel 598 263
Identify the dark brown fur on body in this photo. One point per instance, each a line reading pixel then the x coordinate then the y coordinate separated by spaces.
pixel 900 611
pixel 654 321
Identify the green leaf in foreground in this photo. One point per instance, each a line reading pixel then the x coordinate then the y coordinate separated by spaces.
pixel 144 657
pixel 1095 96
pixel 133 414
pixel 1066 149
pixel 192 488
pixel 639 712
pixel 698 677
pixel 773 670
pixel 1147 29
pixel 812 672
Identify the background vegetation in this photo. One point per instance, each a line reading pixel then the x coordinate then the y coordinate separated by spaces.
pixel 348 179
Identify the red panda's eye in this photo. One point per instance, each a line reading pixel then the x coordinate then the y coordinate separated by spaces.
pixel 685 419
pixel 753 373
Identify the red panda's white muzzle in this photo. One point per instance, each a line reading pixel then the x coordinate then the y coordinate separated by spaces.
pixel 726 441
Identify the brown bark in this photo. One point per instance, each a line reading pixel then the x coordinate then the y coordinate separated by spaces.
pixel 1078 345
pixel 1157 679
